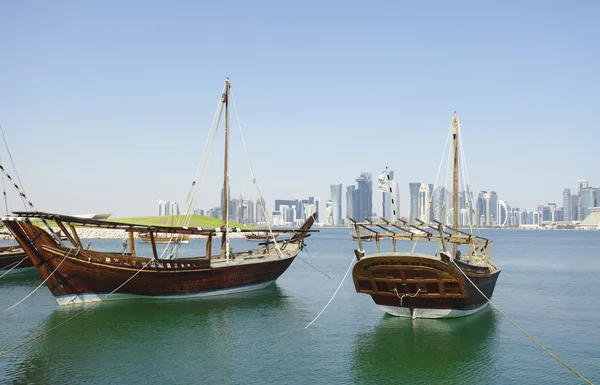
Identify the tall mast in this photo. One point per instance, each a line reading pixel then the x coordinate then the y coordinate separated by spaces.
pixel 455 177
pixel 225 213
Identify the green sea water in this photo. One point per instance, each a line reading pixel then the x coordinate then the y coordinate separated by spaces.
pixel 548 285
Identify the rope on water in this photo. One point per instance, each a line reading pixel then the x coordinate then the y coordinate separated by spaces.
pixel 523 331
pixel 40 285
pixel 74 316
pixel 15 265
pixel 336 290
pixel 311 265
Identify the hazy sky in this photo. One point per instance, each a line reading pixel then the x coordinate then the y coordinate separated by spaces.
pixel 106 105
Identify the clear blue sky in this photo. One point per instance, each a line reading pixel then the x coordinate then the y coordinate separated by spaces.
pixel 106 105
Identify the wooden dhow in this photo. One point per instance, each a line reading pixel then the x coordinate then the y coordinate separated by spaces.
pixel 77 274
pixel 164 238
pixel 456 281
pixel 13 259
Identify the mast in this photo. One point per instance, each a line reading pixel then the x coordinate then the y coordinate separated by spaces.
pixel 225 213
pixel 455 179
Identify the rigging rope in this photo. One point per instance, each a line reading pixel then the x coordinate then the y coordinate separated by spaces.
pixel 264 209
pixel 15 265
pixel 521 329
pixel 336 291
pixel 43 282
pixel 202 165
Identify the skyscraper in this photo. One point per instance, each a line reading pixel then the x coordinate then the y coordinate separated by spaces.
pixel 413 210
pixel 336 204
pixel 425 212
pixel 350 201
pixel 491 203
pixel 439 196
pixel 363 203
pixel 481 208
pixel 567 210
pixel 390 201
pixel 586 200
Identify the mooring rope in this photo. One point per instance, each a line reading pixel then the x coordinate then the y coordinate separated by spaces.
pixel 93 305
pixel 336 290
pixel 311 265
pixel 15 265
pixel 40 285
pixel 521 329
pixel 405 295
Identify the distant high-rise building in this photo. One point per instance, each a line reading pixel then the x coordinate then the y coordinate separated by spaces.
pixel 413 210
pixel 390 200
pixel 425 195
pixel 491 209
pixel 581 184
pixel 481 211
pixel 167 208
pixel 567 201
pixel 350 201
pixel 437 205
pixel 575 207
pixel 336 204
pixel 328 214
pixel 502 211
pixel 586 201
pixel 364 201
pixel 260 210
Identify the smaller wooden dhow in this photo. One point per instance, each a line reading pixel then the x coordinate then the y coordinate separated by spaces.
pixel 362 234
pixel 260 236
pixel 420 285
pixel 13 258
pixel 76 275
pixel 165 238
pixel 448 283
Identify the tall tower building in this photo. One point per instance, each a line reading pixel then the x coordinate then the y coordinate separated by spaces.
pixel 350 201
pixel 439 196
pixel 482 208
pixel 586 200
pixel 390 201
pixel 491 203
pixel 413 210
pixel 364 201
pixel 260 210
pixel 502 211
pixel 567 210
pixel 424 210
pixel 336 204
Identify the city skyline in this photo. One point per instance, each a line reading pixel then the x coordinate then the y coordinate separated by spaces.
pixel 107 106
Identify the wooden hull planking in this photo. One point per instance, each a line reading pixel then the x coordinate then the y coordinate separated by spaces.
pixel 423 286
pixel 82 275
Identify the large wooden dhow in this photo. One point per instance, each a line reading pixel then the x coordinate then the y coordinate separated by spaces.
pixel 456 281
pixel 76 274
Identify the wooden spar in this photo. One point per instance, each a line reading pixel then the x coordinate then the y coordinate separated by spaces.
pixel 455 180
pixel 154 253
pixel 225 213
pixel 131 244
pixel 67 234
pixel 208 246
pixel 75 236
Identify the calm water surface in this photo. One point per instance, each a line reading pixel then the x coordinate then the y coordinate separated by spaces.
pixel 548 285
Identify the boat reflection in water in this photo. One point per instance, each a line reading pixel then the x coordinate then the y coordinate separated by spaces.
pixel 421 351
pixel 144 338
